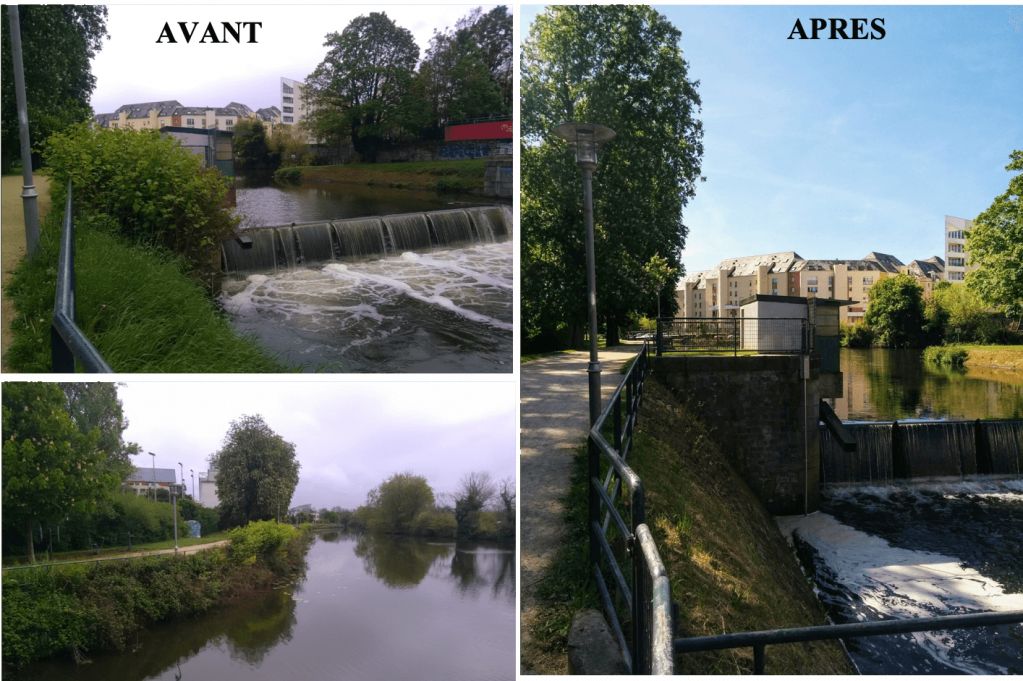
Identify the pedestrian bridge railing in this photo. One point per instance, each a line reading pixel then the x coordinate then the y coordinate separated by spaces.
pixel 732 335
pixel 69 346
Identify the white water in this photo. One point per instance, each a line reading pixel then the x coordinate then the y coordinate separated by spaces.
pixel 443 310
pixel 894 582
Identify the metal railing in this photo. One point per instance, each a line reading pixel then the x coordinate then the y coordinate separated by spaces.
pixel 628 570
pixel 67 342
pixel 759 640
pixel 781 335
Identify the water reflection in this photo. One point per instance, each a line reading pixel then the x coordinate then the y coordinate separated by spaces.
pixel 398 562
pixel 883 384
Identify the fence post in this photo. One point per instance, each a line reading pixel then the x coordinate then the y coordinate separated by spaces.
pixel 657 338
pixel 639 656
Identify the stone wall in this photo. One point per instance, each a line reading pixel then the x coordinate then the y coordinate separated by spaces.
pixel 755 408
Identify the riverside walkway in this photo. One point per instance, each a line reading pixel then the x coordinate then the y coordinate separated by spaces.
pixel 554 422
pixel 12 239
pixel 181 551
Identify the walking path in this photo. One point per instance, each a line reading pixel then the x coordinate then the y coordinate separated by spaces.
pixel 554 420
pixel 195 548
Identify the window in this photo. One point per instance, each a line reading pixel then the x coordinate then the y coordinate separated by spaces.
pixel 190 122
pixel 868 281
pixel 113 124
pixel 957 262
pixel 287 89
pixel 849 282
pixel 289 100
pixel 289 109
pixel 812 281
pixel 229 123
pixel 811 289
pixel 288 119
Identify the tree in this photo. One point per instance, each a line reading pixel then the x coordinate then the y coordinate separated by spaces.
pixel 254 158
pixel 621 66
pixel 476 490
pixel 895 313
pixel 256 472
pixel 366 77
pixel 288 142
pixel 506 493
pixel 397 501
pixel 658 272
pixel 96 406
pixel 995 244
pixel 50 467
pixel 58 44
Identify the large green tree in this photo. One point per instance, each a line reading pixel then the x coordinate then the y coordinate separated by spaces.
pixel 621 66
pixel 257 472
pixel 995 244
pixel 895 313
pixel 58 42
pixel 97 406
pixel 255 159
pixel 395 504
pixel 362 86
pixel 51 468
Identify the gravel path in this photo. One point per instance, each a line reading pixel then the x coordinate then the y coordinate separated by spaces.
pixel 554 418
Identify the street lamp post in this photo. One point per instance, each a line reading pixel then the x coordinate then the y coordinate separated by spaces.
pixel 153 486
pixel 28 191
pixel 584 137
pixel 192 473
pixel 174 511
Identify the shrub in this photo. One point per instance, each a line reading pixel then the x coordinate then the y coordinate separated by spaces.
pixel 156 192
pixel 856 336
pixel 263 540
pixel 950 356
pixel 288 175
pixel 435 523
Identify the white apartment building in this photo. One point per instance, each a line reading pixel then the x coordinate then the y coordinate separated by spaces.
pixel 956 255
pixel 293 103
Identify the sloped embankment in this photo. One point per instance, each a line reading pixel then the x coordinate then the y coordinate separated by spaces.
pixel 730 568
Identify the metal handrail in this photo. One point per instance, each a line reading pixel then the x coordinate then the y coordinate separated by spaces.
pixel 649 647
pixel 67 341
pixel 763 335
pixel 758 640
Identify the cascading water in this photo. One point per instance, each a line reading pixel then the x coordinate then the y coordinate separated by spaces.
pixel 871 462
pixel 363 300
pixel 935 450
pixel 261 255
pixel 1005 444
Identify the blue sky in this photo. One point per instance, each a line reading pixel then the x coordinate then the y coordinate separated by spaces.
pixel 838 148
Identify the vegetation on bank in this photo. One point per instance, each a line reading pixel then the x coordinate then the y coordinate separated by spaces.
pixel 462 176
pixel 75 610
pixel 729 566
pixel 1005 357
pixel 948 356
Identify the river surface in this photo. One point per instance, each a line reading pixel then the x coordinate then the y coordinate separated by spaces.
pixel 880 384
pixel 903 551
pixel 367 609
pixel 263 206
pixel 427 310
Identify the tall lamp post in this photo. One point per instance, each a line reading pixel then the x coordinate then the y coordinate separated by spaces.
pixel 153 486
pixel 192 473
pixel 28 189
pixel 584 138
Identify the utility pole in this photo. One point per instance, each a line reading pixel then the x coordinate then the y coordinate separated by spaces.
pixel 153 487
pixel 28 191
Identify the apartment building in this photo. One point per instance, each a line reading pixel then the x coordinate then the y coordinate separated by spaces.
pixel 171 113
pixel 956 255
pixel 718 293
pixel 294 106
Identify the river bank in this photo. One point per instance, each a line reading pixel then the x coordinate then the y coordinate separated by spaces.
pixel 1008 357
pixel 75 610
pixel 463 176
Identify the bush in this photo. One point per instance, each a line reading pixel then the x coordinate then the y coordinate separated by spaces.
pixel 856 336
pixel 288 175
pixel 949 356
pixel 263 540
pixel 156 192
pixel 435 523
pixel 136 306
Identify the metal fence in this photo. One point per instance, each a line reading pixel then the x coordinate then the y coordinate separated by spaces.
pixel 630 576
pixel 734 335
pixel 67 342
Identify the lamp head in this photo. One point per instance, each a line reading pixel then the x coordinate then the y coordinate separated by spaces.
pixel 585 138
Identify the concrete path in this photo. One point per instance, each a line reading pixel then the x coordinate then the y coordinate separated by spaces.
pixel 554 420
pixel 195 548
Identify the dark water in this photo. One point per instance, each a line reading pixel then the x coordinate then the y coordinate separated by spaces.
pixel 368 609
pixel 904 551
pixel 262 206
pixel 883 384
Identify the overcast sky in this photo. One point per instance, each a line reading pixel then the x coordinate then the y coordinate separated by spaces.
pixel 132 67
pixel 349 436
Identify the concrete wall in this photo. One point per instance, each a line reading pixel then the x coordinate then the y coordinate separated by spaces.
pixel 755 409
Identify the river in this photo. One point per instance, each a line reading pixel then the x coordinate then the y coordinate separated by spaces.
pixel 367 608
pixel 405 307
pixel 880 384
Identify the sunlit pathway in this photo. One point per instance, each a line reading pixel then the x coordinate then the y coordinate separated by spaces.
pixel 554 413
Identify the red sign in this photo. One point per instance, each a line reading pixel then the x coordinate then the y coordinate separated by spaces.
pixel 491 130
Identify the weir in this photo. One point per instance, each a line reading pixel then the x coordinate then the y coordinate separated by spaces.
pixel 286 246
pixel 889 451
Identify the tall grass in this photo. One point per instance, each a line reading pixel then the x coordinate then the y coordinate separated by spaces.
pixel 136 304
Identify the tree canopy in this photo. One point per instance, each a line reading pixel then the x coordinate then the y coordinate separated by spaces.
pixel 257 472
pixel 58 43
pixel 51 467
pixel 96 406
pixel 995 244
pixel 254 157
pixel 895 313
pixel 396 503
pixel 621 66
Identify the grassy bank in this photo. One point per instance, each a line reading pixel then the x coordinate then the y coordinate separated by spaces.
pixel 730 568
pixel 115 551
pixel 74 610
pixel 135 304
pixel 462 177
pixel 994 356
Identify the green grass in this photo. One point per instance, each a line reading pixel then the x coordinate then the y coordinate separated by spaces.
pixel 114 551
pixel 136 305
pixel 464 176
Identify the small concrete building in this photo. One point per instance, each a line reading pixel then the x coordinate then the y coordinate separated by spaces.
pixel 208 488
pixel 769 334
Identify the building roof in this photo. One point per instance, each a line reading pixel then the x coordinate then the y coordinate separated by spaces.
pixel 747 265
pixel 889 262
pixel 162 475
pixel 238 106
pixel 104 119
pixel 142 109
pixel 268 113
pixel 933 267
pixel 827 265
pixel 794 300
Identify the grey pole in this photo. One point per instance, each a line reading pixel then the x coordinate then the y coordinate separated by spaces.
pixel 593 369
pixel 192 473
pixel 154 475
pixel 28 190
pixel 174 506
